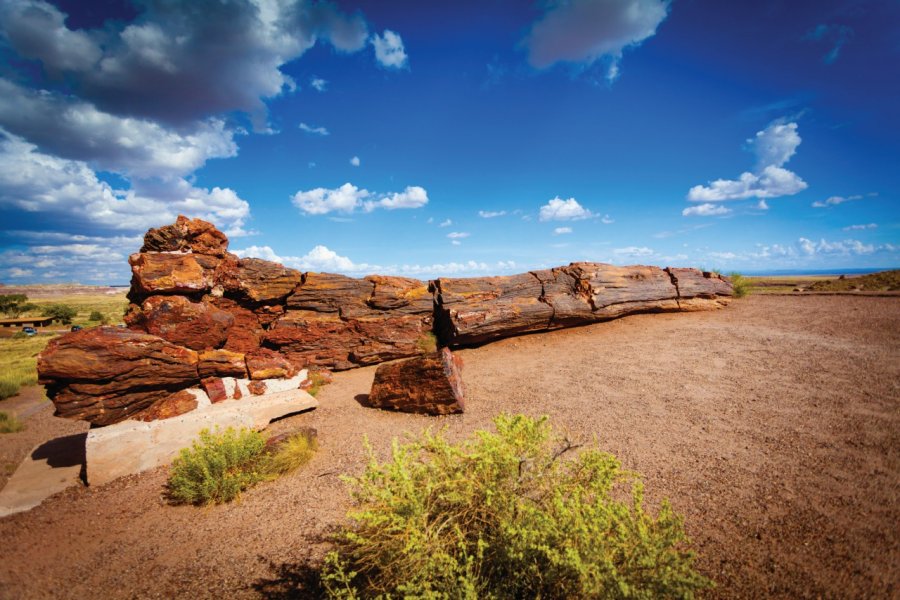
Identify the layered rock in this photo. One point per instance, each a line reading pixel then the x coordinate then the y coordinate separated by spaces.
pixel 430 384
pixel 199 312
pixel 107 374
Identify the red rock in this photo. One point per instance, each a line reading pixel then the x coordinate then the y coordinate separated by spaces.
pixel 379 339
pixel 330 293
pixel 616 291
pixel 245 333
pixel 169 273
pixel 106 374
pixel 400 295
pixel 257 388
pixel 215 389
pixel 222 363
pixel 258 280
pixel 268 314
pixel 195 325
pixel 480 309
pixel 430 384
pixel 314 338
pixel 268 364
pixel 693 283
pixel 186 235
pixel 170 406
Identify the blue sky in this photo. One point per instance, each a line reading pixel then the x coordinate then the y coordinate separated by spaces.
pixel 463 138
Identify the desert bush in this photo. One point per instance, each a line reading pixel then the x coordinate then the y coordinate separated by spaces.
pixel 219 466
pixel 740 284
pixel 506 515
pixel 317 381
pixel 9 423
pixel 290 455
pixel 96 315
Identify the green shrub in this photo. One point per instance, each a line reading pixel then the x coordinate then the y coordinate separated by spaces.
pixel 219 466
pixel 317 381
pixel 504 515
pixel 96 315
pixel 740 284
pixel 9 423
pixel 8 389
pixel 291 454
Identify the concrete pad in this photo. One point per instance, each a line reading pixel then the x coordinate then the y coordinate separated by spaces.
pixel 133 446
pixel 49 469
pixel 272 385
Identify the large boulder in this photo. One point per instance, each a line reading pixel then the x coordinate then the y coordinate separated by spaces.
pixel 186 235
pixel 106 374
pixel 430 384
pixel 259 281
pixel 195 325
pixel 171 273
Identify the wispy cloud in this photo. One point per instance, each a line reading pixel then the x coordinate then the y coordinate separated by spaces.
pixel 318 84
pixel 861 227
pixel 835 200
pixel 457 235
pixel 562 230
pixel 314 130
pixel 705 210
pixel 836 35
pixel 490 214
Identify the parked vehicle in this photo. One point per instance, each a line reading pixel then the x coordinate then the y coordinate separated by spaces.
pixel 29 330
pixel 76 327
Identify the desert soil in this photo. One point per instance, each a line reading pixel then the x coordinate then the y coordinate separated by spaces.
pixel 773 426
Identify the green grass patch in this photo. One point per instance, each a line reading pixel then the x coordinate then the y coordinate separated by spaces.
pixel 219 466
pixel 317 381
pixel 427 343
pixel 9 423
pixel 511 514
pixel 109 306
pixel 18 362
pixel 740 284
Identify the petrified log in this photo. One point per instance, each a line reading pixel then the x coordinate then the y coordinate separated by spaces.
pixel 258 280
pixel 430 384
pixel 222 363
pixel 186 235
pixel 195 325
pixel 268 364
pixel 170 406
pixel 169 273
pixel 105 374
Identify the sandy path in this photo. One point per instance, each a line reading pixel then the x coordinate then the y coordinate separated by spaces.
pixel 773 426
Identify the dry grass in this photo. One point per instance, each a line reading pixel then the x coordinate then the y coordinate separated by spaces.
pixel 18 362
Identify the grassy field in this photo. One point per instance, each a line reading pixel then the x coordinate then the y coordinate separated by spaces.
pixel 18 355
pixel 885 281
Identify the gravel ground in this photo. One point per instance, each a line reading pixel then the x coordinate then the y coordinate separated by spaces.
pixel 772 426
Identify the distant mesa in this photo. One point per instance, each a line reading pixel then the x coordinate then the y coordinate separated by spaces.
pixel 198 311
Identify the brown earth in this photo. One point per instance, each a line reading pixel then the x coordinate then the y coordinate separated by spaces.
pixel 773 426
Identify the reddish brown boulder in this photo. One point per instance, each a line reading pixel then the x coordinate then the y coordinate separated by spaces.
pixel 106 374
pixel 169 273
pixel 170 406
pixel 222 363
pixel 195 325
pixel 430 384
pixel 215 389
pixel 330 293
pixel 186 235
pixel 314 338
pixel 257 388
pixel 268 364
pixel 258 280
pixel 245 333
pixel 383 338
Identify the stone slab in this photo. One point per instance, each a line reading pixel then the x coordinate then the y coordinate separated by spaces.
pixel 134 446
pixel 47 470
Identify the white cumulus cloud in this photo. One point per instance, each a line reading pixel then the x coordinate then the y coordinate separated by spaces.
pixel 773 146
pixel 318 84
pixel 445 223
pixel 585 31
pixel 263 252
pixel 562 230
pixel 355 161
pixel 558 209
pixel 348 198
pixel 389 50
pixel 705 210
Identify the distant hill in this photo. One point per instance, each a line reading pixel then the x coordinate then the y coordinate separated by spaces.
pixel 61 289
pixel 885 281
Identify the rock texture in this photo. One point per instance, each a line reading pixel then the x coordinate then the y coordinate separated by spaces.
pixel 430 384
pixel 106 374
pixel 200 312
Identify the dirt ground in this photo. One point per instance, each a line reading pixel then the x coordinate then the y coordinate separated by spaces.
pixel 773 426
